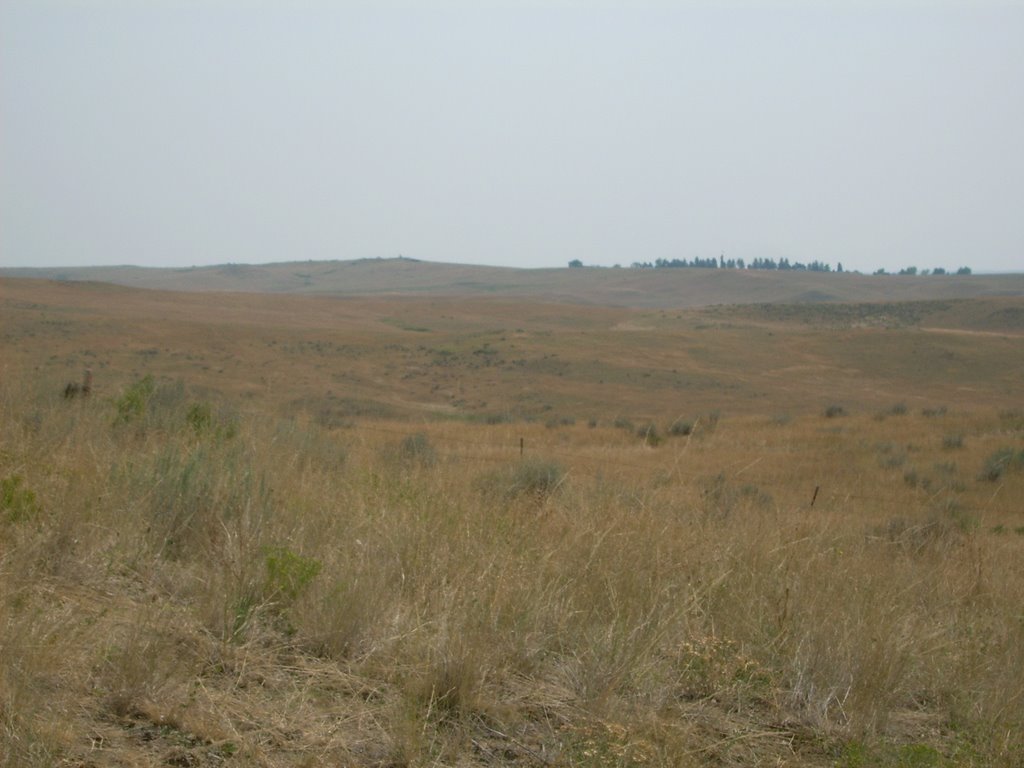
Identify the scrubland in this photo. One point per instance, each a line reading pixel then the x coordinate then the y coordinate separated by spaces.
pixel 193 575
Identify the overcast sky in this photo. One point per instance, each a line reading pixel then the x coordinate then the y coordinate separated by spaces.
pixel 526 134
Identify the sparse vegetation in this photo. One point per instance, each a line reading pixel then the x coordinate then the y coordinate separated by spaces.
pixel 649 434
pixel 532 478
pixel 1000 462
pixel 131 404
pixel 417 449
pixel 223 576
pixel 953 441
pixel 681 428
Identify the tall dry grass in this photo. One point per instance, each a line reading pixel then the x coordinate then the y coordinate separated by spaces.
pixel 186 581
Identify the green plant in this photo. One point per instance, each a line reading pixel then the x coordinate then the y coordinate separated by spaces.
pixel 833 411
pixel 918 756
pixel 17 502
pixel 131 405
pixel 200 417
pixel 288 573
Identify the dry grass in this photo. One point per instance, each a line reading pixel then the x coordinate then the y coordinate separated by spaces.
pixel 279 594
pixel 211 578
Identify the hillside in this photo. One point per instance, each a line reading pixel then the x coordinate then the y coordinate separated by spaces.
pixel 661 288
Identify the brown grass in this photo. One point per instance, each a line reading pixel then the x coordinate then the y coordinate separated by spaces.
pixel 248 583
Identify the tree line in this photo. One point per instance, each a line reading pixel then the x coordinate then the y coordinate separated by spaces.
pixel 770 264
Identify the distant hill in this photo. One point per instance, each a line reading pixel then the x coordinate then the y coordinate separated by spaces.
pixel 645 288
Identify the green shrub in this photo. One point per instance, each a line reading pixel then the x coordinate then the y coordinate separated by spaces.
pixel 833 411
pixel 131 405
pixel 288 574
pixel 200 417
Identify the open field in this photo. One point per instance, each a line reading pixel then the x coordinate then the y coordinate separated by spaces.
pixel 334 358
pixel 411 531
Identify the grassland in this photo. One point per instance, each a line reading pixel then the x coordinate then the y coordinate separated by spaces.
pixel 410 531
pixel 638 288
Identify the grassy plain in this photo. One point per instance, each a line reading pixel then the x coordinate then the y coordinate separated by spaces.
pixel 399 531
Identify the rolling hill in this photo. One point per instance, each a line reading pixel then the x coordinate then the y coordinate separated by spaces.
pixel 651 288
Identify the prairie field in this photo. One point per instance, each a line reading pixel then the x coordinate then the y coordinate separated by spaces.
pixel 386 531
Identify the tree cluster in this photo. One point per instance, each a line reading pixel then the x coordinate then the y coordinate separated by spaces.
pixel 723 263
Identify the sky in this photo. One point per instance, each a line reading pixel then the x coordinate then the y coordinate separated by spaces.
pixel 527 134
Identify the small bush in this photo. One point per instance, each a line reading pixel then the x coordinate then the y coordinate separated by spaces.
pixel 834 411
pixel 681 428
pixel 416 449
pixel 649 434
pixel 200 417
pixel 932 412
pixel 559 421
pixel 204 421
pixel 998 463
pixel 953 441
pixel 892 461
pixel 621 422
pixel 899 409
pixel 131 405
pixel 963 519
pixel 288 574
pixel 537 478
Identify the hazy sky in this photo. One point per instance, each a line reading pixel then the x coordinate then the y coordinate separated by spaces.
pixel 522 134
